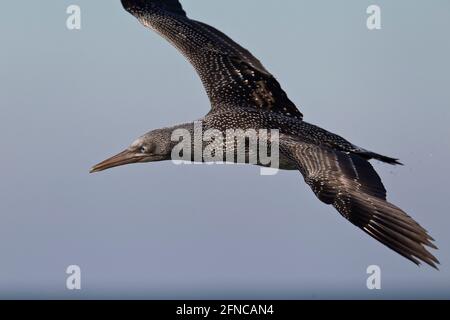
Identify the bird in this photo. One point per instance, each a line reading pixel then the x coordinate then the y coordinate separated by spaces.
pixel 244 95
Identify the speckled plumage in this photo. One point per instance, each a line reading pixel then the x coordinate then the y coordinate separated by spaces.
pixel 244 95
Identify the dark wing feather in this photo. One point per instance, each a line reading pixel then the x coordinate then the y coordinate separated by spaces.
pixel 173 6
pixel 243 53
pixel 352 186
pixel 232 76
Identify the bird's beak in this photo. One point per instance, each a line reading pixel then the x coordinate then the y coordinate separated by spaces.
pixel 125 157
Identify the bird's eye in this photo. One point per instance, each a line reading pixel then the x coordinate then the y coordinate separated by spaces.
pixel 143 149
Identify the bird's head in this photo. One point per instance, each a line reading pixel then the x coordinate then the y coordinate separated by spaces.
pixel 153 146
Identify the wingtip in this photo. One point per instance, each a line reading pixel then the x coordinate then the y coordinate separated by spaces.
pixel 434 263
pixel 425 256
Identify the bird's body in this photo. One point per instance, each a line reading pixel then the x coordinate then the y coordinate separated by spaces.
pixel 245 96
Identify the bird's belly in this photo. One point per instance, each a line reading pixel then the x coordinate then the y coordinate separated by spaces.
pixel 284 163
pixel 255 149
pixel 256 156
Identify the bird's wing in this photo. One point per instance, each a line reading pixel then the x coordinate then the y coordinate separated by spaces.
pixel 232 76
pixel 353 187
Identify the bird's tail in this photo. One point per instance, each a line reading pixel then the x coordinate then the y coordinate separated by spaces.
pixel 372 155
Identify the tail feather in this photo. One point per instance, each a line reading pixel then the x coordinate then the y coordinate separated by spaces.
pixel 372 155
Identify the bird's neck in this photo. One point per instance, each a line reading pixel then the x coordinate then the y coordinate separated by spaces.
pixel 188 140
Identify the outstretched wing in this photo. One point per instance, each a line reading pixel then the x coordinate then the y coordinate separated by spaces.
pixel 352 186
pixel 232 76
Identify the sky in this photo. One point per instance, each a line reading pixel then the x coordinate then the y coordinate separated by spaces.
pixel 71 98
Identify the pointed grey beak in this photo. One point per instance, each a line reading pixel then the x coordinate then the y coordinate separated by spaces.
pixel 125 157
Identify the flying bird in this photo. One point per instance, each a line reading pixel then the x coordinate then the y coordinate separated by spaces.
pixel 244 95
